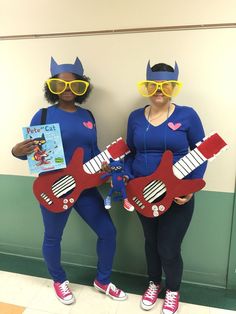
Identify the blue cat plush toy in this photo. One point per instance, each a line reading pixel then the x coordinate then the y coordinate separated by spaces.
pixel 117 175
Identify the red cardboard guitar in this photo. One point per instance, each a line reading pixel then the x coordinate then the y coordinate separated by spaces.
pixel 152 195
pixel 59 190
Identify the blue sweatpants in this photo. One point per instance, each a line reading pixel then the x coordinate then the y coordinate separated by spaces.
pixel 90 207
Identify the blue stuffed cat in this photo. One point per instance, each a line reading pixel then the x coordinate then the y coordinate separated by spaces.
pixel 117 175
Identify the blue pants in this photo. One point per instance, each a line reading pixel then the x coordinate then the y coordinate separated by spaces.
pixel 90 207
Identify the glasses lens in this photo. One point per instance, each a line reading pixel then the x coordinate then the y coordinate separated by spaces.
pixel 56 86
pixel 167 88
pixel 79 87
pixel 147 88
pixel 171 88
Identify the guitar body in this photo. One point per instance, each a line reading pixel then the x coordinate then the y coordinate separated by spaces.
pixel 45 186
pixel 169 185
pixel 59 190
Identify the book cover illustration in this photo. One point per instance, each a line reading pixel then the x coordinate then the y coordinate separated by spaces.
pixel 48 154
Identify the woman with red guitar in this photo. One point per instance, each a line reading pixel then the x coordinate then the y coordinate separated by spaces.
pixel 67 88
pixel 163 125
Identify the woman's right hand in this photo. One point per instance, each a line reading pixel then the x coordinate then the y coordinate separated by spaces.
pixel 105 167
pixel 23 148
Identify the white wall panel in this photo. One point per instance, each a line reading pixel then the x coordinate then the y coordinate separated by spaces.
pixel 115 63
pixel 22 17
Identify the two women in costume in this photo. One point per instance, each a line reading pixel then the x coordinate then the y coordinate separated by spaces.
pixel 161 125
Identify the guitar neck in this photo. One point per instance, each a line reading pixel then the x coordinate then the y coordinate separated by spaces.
pixel 95 164
pixel 188 163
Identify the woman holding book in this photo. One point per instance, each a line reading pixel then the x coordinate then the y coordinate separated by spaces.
pixel 68 87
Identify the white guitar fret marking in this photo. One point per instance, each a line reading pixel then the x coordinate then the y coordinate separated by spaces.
pixel 91 165
pixel 184 165
pixel 177 173
pixel 197 157
pixel 87 166
pixel 86 169
pixel 181 169
pixel 94 165
pixel 193 159
pixel 105 158
pixel 203 158
pixel 188 162
pixel 100 158
pixel 98 162
pixel 108 156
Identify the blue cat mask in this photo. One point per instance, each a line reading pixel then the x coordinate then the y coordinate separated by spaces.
pixel 75 68
pixel 162 75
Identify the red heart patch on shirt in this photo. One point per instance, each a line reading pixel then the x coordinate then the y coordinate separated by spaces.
pixel 88 124
pixel 174 126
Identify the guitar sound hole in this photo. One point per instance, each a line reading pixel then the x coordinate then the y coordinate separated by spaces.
pixel 63 186
pixel 154 192
pixel 66 194
pixel 158 199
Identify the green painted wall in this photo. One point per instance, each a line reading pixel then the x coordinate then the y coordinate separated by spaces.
pixel 206 248
pixel 231 278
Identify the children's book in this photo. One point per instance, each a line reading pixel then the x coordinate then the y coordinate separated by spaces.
pixel 48 153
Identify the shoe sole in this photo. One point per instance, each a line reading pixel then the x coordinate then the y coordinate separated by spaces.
pixel 176 312
pixel 111 296
pixel 66 302
pixel 147 307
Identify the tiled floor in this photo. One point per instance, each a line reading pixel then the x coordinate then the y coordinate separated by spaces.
pixel 23 294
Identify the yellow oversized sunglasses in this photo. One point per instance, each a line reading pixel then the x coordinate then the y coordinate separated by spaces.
pixel 58 86
pixel 168 88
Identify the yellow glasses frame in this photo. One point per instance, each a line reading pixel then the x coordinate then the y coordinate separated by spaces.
pixel 159 85
pixel 70 84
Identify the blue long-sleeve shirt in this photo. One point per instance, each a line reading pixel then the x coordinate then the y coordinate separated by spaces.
pixel 148 143
pixel 77 130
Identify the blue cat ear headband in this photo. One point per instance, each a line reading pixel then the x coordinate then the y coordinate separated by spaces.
pixel 162 75
pixel 76 68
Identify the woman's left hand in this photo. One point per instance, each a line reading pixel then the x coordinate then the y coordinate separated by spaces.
pixel 183 200
pixel 105 167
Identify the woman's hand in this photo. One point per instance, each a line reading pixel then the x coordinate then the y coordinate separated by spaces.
pixel 183 200
pixel 125 179
pixel 23 148
pixel 105 167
